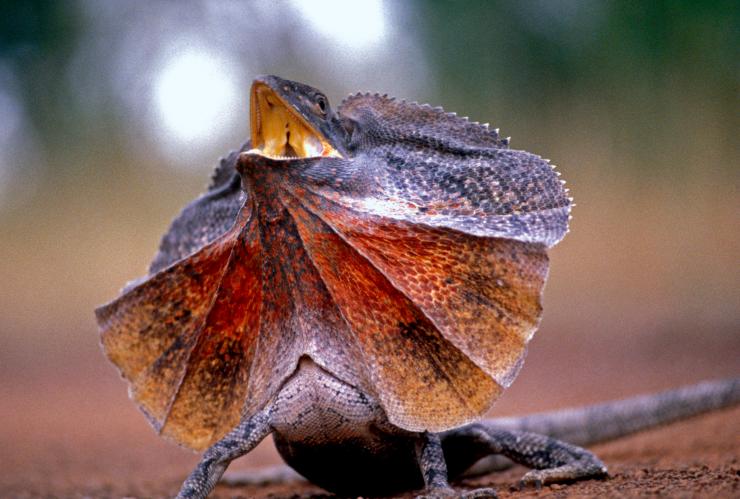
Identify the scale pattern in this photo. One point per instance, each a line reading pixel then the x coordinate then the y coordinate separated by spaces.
pixel 482 293
pixel 434 168
pixel 411 270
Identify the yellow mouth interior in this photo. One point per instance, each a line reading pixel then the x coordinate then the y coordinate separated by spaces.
pixel 279 132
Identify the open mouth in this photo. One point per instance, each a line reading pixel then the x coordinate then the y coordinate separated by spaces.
pixel 279 132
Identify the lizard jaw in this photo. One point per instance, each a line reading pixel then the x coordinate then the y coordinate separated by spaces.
pixel 279 132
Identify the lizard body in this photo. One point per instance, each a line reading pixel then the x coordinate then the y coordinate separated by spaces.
pixel 362 284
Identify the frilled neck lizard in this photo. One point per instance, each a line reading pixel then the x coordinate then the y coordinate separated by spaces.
pixel 361 283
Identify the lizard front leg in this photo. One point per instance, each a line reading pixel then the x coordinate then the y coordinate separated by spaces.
pixel 552 460
pixel 236 443
pixel 434 470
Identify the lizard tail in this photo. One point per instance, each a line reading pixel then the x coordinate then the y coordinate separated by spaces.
pixel 610 420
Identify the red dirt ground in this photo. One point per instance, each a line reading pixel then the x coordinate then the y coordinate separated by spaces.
pixel 70 431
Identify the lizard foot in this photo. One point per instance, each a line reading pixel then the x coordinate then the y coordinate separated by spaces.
pixel 483 493
pixel 565 473
pixel 449 492
pixel 552 460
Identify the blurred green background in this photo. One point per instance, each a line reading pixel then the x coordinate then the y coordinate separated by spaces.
pixel 112 115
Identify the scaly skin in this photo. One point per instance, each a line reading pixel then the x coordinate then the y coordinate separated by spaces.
pixel 358 304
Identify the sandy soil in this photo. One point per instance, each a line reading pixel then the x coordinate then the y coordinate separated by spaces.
pixel 695 458
pixel 69 430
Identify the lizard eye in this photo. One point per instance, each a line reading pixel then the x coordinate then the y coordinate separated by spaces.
pixel 322 104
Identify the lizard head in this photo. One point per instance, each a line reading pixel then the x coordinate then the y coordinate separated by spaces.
pixel 291 120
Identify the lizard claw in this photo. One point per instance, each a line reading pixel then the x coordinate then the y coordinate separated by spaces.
pixel 485 493
pixel 438 493
pixel 574 471
pixel 449 493
pixel 534 478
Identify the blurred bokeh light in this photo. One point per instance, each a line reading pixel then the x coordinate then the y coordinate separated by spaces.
pixel 358 25
pixel 196 97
